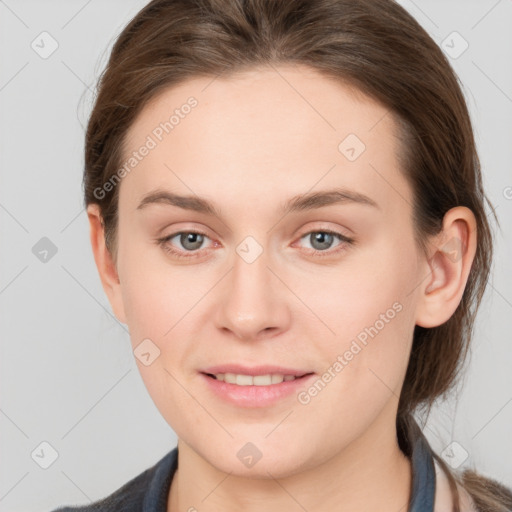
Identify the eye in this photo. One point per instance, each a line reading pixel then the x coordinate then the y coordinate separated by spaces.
pixel 191 241
pixel 322 240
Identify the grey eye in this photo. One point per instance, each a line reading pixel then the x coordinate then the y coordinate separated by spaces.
pixel 191 241
pixel 320 240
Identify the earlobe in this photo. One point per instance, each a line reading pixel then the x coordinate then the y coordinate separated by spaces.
pixel 453 251
pixel 106 266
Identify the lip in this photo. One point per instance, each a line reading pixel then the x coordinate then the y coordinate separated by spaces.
pixel 255 370
pixel 256 396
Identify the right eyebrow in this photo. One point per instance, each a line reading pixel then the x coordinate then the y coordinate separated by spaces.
pixel 193 203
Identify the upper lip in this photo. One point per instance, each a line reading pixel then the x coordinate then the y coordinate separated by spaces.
pixel 254 370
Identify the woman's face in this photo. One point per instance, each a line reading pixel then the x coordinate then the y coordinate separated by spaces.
pixel 265 283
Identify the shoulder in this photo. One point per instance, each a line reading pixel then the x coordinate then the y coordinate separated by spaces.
pixel 443 498
pixel 132 495
pixel 128 497
pixel 488 493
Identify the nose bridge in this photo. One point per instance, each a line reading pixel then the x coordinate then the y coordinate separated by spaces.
pixel 253 303
pixel 250 276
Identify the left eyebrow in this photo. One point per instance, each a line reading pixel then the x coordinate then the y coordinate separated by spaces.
pixel 315 200
pixel 301 202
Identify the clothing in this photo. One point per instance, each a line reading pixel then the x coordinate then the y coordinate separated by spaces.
pixel 148 492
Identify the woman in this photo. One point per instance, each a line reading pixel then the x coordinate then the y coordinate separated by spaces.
pixel 286 208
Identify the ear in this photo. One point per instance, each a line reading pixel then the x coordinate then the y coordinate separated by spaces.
pixel 104 262
pixel 451 257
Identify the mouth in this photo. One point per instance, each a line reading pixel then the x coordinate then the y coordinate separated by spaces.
pixel 269 379
pixel 260 387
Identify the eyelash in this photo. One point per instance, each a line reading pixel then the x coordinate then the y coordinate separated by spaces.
pixel 163 242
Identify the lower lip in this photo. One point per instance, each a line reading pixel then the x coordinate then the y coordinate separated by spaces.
pixel 255 396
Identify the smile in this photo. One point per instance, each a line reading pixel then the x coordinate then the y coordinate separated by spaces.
pixel 253 380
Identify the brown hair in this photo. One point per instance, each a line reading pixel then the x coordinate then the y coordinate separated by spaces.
pixel 374 46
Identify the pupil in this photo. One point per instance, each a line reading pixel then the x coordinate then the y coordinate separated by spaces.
pixel 195 239
pixel 321 237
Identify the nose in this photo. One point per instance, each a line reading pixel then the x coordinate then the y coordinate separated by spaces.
pixel 253 303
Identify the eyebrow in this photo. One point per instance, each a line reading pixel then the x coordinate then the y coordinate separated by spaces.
pixel 301 202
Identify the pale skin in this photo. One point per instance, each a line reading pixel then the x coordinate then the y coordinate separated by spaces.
pixel 252 143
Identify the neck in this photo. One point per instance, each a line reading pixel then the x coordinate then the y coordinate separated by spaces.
pixel 371 473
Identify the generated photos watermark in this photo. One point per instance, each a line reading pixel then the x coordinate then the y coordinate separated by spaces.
pixel 357 344
pixel 152 140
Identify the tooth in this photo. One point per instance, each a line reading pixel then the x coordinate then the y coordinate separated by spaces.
pixel 263 380
pixel 257 380
pixel 244 380
pixel 230 378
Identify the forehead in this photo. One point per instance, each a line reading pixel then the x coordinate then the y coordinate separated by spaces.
pixel 263 96
pixel 288 127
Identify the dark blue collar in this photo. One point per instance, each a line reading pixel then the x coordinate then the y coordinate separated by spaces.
pixel 423 475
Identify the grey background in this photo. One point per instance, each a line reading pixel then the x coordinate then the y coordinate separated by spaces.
pixel 68 376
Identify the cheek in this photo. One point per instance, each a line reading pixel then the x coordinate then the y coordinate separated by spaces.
pixel 146 306
pixel 371 281
pixel 368 308
pixel 156 306
pixel 155 294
